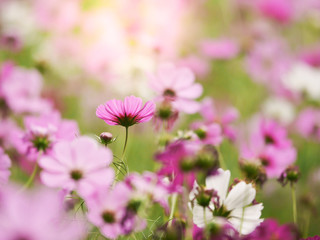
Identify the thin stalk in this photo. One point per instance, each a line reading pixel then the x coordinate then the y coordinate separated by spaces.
pixel 221 159
pixel 173 206
pixel 294 204
pixel 307 222
pixel 31 178
pixel 125 143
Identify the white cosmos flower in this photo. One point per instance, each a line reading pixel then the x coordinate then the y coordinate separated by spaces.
pixel 304 79
pixel 279 109
pixel 235 207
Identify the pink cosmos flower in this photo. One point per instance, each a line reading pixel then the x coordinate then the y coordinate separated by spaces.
pixel 196 64
pixel 80 165
pixel 224 119
pixel 208 133
pixel 270 229
pixel 220 48
pixel 44 131
pixel 270 146
pixel 5 164
pixel 21 88
pixel 308 123
pixel 149 185
pixel 36 215
pixel 177 160
pixel 311 56
pixel 281 11
pixel 126 113
pixel 177 85
pixel 110 212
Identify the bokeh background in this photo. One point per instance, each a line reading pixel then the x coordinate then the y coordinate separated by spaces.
pixel 90 51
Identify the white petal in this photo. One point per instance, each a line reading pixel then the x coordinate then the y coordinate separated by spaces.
pixel 240 196
pixel 250 213
pixel 219 183
pixel 247 226
pixel 198 215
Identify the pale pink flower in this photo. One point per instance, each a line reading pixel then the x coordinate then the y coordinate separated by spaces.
pixel 80 165
pixel 225 119
pixel 196 64
pixel 208 133
pixel 44 131
pixel 36 215
pixel 109 211
pixel 5 164
pixel 220 48
pixel 126 113
pixel 21 88
pixel 178 86
pixel 308 123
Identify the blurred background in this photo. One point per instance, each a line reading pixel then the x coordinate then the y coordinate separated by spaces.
pixel 242 51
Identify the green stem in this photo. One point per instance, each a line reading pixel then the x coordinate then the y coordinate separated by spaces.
pixel 221 159
pixel 173 206
pixel 307 222
pixel 294 204
pixel 125 143
pixel 31 178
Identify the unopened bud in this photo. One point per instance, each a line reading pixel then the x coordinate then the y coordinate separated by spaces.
pixel 106 138
pixel 290 175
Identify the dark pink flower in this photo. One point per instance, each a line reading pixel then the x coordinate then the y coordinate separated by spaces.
pixel 270 229
pixel 80 165
pixel 126 113
pixel 279 10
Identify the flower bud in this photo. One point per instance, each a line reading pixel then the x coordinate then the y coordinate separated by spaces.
pixel 106 138
pixel 253 172
pixel 290 175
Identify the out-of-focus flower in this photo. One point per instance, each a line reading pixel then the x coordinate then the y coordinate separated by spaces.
pixel 308 123
pixel 312 238
pixel 5 164
pixel 208 134
pixel 215 232
pixel 44 131
pixel 10 42
pixel 270 229
pixel 311 56
pixel 220 48
pixel 281 11
pixel 126 113
pixel 270 146
pixel 150 186
pixel 21 88
pixel 215 203
pixel 178 162
pixel 279 109
pixel 112 212
pixel 48 221
pixel 264 68
pixel 290 175
pixel 304 80
pixel 80 165
pixel 177 86
pixel 196 64
pixel 225 119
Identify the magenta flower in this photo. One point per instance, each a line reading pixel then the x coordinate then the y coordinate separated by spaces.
pixel 177 85
pixel 5 164
pixel 126 113
pixel 37 215
pixel 80 165
pixel 270 229
pixel 110 211
pixel 281 11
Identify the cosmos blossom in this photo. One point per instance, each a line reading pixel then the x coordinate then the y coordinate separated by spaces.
pixel 223 206
pixel 80 165
pixel 126 113
pixel 177 85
